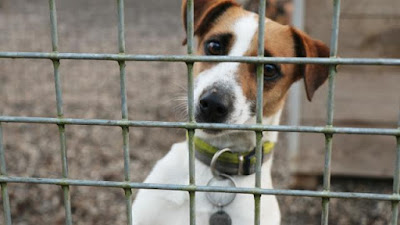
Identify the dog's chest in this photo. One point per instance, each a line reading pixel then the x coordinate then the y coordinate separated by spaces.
pixel 173 169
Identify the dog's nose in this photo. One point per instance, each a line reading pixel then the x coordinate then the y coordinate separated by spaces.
pixel 213 107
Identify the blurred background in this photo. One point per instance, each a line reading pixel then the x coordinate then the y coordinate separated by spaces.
pixel 366 96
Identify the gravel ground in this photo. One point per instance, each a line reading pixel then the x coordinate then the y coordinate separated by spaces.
pixel 91 90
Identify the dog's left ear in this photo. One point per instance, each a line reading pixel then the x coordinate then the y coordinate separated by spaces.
pixel 205 12
pixel 314 75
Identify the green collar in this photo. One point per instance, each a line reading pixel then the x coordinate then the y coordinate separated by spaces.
pixel 231 163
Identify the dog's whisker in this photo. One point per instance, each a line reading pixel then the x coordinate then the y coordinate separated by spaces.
pixel 180 108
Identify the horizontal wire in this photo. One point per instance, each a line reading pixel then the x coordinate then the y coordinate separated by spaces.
pixel 188 125
pixel 177 187
pixel 194 58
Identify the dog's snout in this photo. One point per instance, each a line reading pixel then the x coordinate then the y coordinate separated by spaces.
pixel 214 106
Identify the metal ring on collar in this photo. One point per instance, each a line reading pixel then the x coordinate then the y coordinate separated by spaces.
pixel 214 160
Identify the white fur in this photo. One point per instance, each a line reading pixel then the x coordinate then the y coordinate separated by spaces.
pixel 226 73
pixel 244 30
pixel 161 207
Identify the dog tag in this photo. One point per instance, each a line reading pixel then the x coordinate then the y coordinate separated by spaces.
pixel 220 218
pixel 218 198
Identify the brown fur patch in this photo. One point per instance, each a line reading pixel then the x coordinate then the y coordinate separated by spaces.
pixel 279 42
pixel 205 12
pixel 221 25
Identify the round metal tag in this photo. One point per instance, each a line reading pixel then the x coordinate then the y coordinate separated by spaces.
pixel 221 199
pixel 220 218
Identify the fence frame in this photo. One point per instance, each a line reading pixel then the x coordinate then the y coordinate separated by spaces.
pixel 329 130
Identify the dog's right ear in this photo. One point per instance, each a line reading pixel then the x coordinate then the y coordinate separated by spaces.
pixel 205 12
pixel 314 75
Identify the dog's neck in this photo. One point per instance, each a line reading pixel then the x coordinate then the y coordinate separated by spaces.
pixel 241 141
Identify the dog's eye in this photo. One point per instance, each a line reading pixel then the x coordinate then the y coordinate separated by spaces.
pixel 214 48
pixel 271 72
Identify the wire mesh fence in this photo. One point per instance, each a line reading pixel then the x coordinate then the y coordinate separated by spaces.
pixel 329 130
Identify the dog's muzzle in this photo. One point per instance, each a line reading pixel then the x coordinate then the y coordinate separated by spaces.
pixel 214 105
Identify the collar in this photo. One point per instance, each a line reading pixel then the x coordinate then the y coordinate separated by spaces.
pixel 231 163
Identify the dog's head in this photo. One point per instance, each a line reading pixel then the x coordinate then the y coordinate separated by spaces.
pixel 226 92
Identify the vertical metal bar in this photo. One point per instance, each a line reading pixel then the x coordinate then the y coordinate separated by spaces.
pixel 259 108
pixel 260 67
pixel 121 26
pixel 190 26
pixel 333 54
pixel 122 64
pixel 327 178
pixel 192 178
pixel 60 113
pixel 396 180
pixel 191 132
pixel 330 111
pixel 257 197
pixel 127 191
pixel 124 109
pixel 53 22
pixel 4 190
pixel 295 94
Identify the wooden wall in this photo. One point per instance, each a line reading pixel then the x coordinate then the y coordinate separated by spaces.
pixel 366 96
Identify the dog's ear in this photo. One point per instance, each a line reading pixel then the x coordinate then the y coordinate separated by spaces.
pixel 205 12
pixel 314 75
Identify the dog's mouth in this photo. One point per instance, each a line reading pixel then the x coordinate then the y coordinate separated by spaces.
pixel 210 131
pixel 213 131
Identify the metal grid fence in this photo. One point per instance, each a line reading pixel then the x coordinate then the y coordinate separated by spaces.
pixel 329 130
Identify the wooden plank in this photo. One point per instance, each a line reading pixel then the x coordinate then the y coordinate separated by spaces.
pixel 353 155
pixel 375 100
pixel 366 96
pixel 362 34
pixel 374 37
pixel 371 7
pixel 363 96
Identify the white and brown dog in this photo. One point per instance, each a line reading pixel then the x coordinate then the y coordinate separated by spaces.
pixel 226 93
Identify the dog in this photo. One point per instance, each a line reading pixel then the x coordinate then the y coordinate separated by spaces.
pixel 225 92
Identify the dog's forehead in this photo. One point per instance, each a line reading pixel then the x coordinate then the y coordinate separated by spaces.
pixel 243 25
